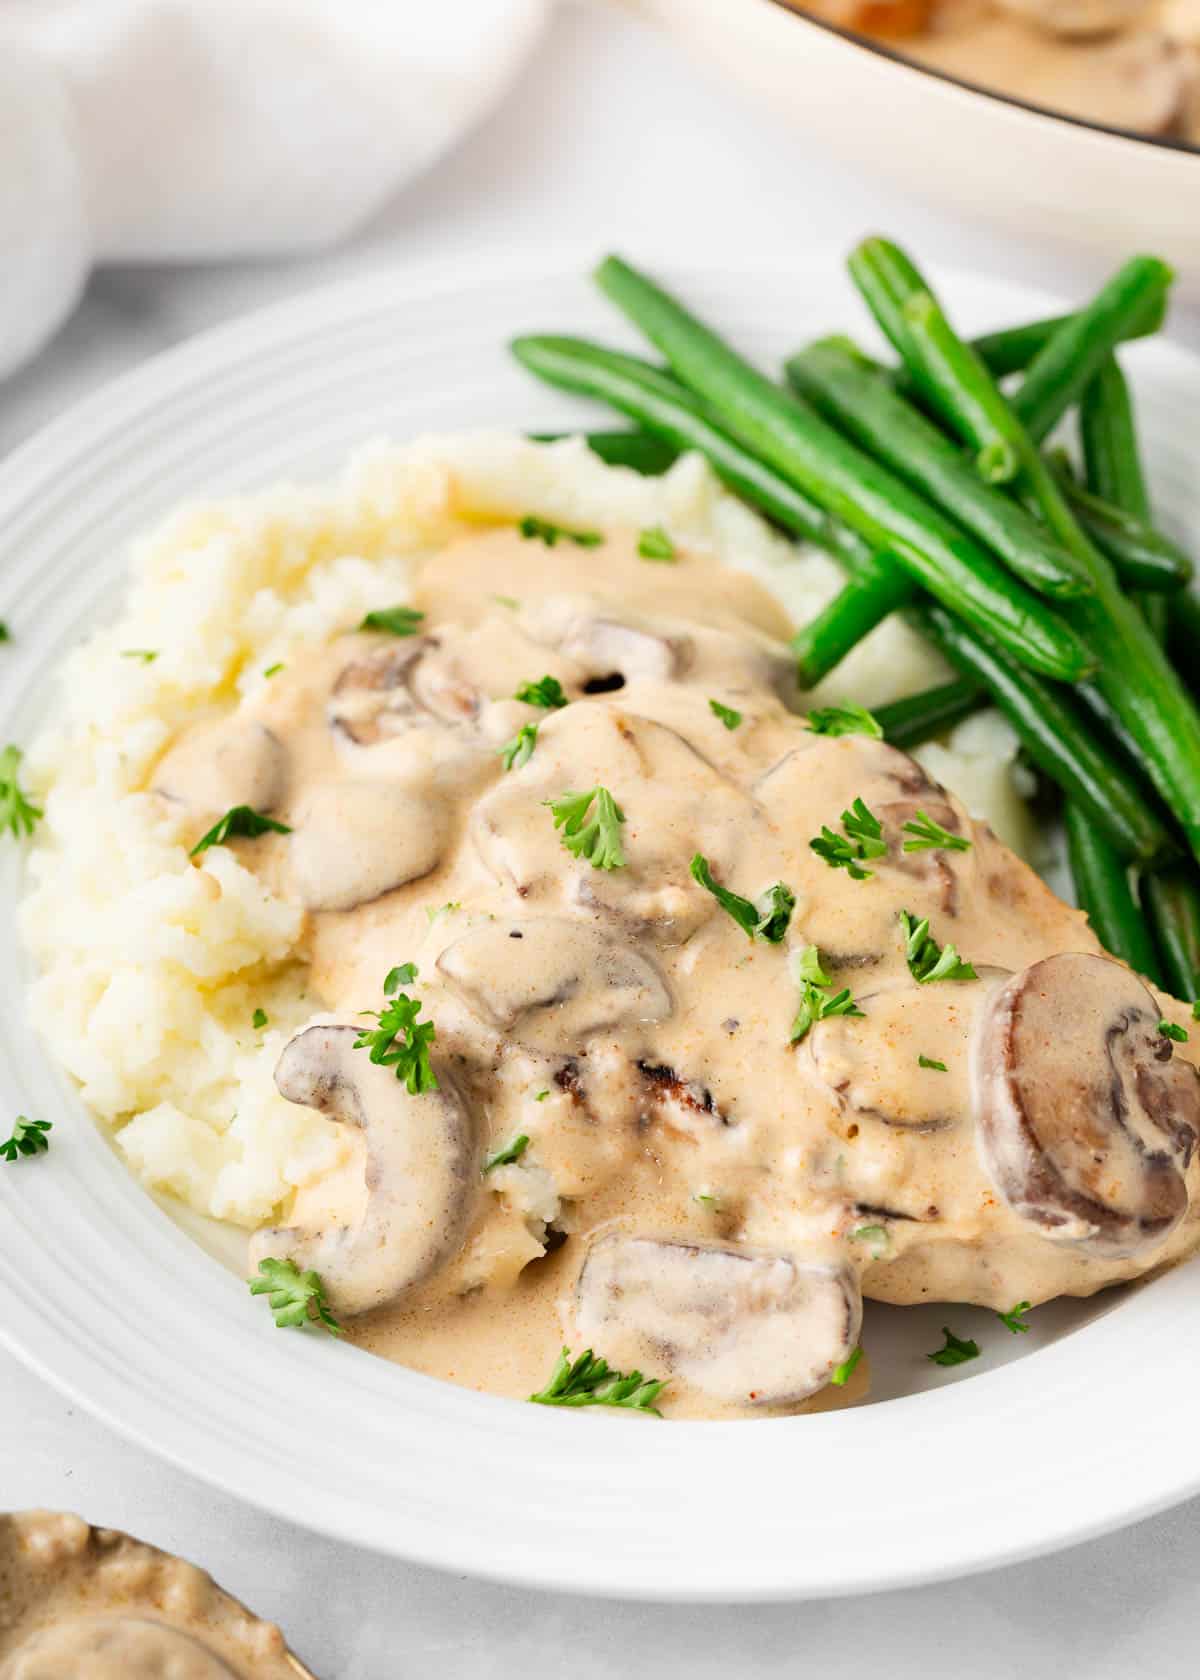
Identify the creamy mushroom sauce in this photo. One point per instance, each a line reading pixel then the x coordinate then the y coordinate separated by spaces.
pixel 700 1197
pixel 81 1603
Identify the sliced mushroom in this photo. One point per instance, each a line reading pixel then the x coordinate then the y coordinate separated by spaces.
pixel 420 1175
pixel 396 688
pixel 746 1329
pixel 1086 1119
pixel 217 765
pixel 354 841
pixel 553 982
pixel 608 647
pixel 1080 17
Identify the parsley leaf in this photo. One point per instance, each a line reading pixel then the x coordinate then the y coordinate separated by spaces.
pixel 589 1382
pixel 258 1020
pixel 927 960
pixel 727 715
pixel 864 839
pixel 1196 1010
pixel 28 1138
pixel 655 544
pixel 546 531
pixel 240 823
pixel 146 655
pixel 844 720
pixel 956 1351
pixel 843 1372
pixel 1169 1030
pixel 816 1004
pixel 20 816
pixel 1014 1318
pixel 273 670
pixel 511 1152
pixel 931 836
pixel 928 1062
pixel 519 750
pixel 876 1235
pixel 596 838
pixel 396 621
pixel 400 1041
pixel 767 918
pixel 546 692
pixel 5 632
pixel 541 1096
pixel 296 1297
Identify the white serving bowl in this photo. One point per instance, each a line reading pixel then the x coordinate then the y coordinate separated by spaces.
pixel 980 155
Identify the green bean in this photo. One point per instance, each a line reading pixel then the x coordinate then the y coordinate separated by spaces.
pixel 1142 557
pixel 1102 888
pixel 1113 463
pixel 1013 348
pixel 919 717
pixel 1172 900
pixel 1134 676
pixel 847 483
pixel 642 451
pixel 861 402
pixel 1183 636
pixel 1056 736
pixel 853 613
pixel 1076 351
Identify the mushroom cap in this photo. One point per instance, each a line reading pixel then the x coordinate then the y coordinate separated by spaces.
pixel 353 841
pixel 745 1328
pixel 421 1173
pixel 408 684
pixel 223 763
pixel 1086 1120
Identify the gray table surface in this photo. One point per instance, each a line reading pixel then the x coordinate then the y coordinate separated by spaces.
pixel 603 102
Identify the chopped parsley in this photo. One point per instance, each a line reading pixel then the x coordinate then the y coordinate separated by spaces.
pixel 241 823
pixel 765 918
pixel 519 749
pixel 928 1062
pixel 930 836
pixel 509 601
pixel 816 1001
pixel 863 839
pixel 655 544
pixel 844 720
pixel 5 632
pixel 589 1382
pixel 296 1297
pixel 258 1020
pixel 1196 1010
pixel 505 1157
pixel 1169 1030
pixel 540 1096
pixel 400 1041
pixel 843 1372
pixel 28 1138
pixel 446 909
pixel 396 621
pixel 547 692
pixel 146 655
pixel 956 1351
pixel 876 1235
pixel 595 838
pixel 18 816
pixel 730 718
pixel 549 533
pixel 1014 1318
pixel 709 1202
pixel 273 670
pixel 927 960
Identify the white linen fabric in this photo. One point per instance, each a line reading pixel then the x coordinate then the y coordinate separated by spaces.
pixel 155 130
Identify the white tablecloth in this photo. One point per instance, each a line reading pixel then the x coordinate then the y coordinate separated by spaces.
pixel 610 134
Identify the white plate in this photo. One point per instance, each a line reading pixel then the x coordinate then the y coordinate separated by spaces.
pixel 1086 1423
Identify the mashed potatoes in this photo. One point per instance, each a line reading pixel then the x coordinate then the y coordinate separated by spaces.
pixel 153 967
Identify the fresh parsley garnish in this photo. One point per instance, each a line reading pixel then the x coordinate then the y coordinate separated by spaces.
pixel 146 655
pixel 708 1201
pixel 18 815
pixel 549 533
pixel 242 823
pixel 816 1001
pixel 927 960
pixel 258 1020
pixel 547 692
pixel 1196 1010
pixel 509 601
pixel 843 1372
pixel 5 632
pixel 505 1157
pixel 448 909
pixel 765 918
pixel 28 1138
pixel 863 839
pixel 519 749
pixel 876 1235
pixel 596 838
pixel 400 1041
pixel 655 544
pixel 844 720
pixel 589 1382
pixel 396 621
pixel 1169 1030
pixel 540 1096
pixel 273 670
pixel 296 1297
pixel 928 1062
pixel 1014 1318
pixel 930 836
pixel 727 715
pixel 956 1351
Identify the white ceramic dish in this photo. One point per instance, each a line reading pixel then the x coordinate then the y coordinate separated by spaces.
pixel 1086 1423
pixel 983 157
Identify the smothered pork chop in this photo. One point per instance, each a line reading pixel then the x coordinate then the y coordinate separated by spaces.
pixel 653 1016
